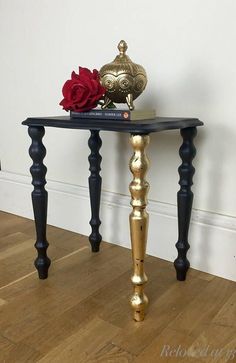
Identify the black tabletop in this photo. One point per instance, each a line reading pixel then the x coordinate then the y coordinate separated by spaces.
pixel 135 127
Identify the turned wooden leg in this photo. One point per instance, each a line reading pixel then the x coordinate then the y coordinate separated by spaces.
pixel 38 171
pixel 186 170
pixel 139 222
pixel 95 183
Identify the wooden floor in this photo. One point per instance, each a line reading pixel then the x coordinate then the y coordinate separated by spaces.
pixel 81 312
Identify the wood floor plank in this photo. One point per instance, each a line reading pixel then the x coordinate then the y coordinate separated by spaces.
pixel 16 249
pixel 169 347
pixel 226 316
pixel 15 265
pixel 5 345
pixel 116 295
pixel 60 292
pixel 13 239
pixel 19 353
pixel 81 312
pixel 84 345
pixel 200 311
pixel 110 353
pixel 201 275
pixel 11 223
pixel 136 336
pixel 216 343
pixel 55 331
pixel 2 302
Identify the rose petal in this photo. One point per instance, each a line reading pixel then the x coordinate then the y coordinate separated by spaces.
pixel 66 88
pixel 74 76
pixel 65 104
pixel 95 74
pixel 75 90
pixel 85 72
pixel 82 98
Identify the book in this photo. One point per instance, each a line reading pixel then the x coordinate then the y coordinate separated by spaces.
pixel 115 114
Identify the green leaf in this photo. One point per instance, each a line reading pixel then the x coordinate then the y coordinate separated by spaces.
pixel 111 105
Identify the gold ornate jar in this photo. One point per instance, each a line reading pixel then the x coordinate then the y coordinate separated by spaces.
pixel 124 80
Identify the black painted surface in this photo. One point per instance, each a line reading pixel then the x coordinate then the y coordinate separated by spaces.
pixel 95 183
pixel 38 171
pixel 186 170
pixel 133 127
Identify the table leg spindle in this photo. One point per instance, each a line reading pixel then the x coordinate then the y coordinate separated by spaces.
pixel 38 171
pixel 95 183
pixel 186 170
pixel 139 222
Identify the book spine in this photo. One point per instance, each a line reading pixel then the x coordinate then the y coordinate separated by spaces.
pixel 103 115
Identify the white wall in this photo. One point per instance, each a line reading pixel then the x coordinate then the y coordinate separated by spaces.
pixel 188 50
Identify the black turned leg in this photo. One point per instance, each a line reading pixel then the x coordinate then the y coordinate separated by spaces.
pixel 38 171
pixel 95 183
pixel 186 170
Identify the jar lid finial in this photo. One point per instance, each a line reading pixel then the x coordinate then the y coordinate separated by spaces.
pixel 122 46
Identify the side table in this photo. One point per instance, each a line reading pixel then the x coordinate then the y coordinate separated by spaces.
pixel 139 138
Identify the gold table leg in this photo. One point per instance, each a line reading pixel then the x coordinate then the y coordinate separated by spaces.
pixel 139 222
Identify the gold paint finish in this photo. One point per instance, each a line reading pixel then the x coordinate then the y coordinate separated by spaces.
pixel 139 222
pixel 124 80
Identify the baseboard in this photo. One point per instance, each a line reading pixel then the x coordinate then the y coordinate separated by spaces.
pixel 212 236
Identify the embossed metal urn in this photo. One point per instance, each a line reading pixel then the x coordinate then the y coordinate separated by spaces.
pixel 124 80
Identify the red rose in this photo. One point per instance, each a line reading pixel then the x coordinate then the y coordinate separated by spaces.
pixel 83 91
